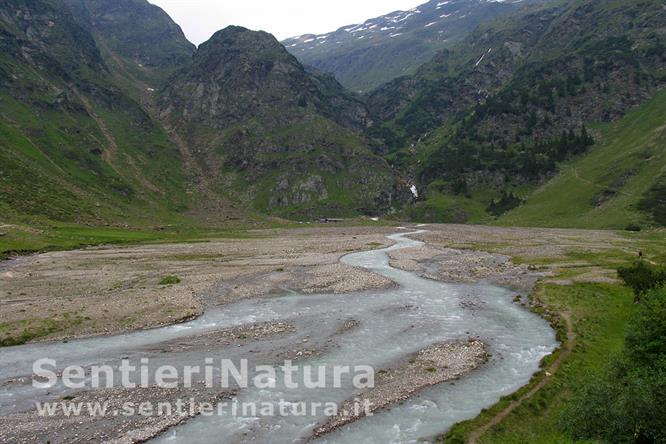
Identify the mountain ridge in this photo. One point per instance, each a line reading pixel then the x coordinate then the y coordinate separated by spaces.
pixel 501 111
pixel 69 139
pixel 216 105
pixel 153 50
pixel 102 125
pixel 363 56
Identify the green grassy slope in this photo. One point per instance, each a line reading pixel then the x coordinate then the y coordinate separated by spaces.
pixel 72 146
pixel 61 165
pixel 77 143
pixel 604 188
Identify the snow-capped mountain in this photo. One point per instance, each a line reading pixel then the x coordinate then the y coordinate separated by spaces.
pixel 363 56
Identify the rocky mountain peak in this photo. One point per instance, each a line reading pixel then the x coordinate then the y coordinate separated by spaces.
pixel 258 55
pixel 49 35
pixel 240 74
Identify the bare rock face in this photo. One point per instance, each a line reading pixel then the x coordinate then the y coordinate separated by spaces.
pixel 239 75
pixel 310 189
pixel 46 35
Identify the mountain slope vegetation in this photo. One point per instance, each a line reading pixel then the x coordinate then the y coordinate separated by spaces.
pixel 72 145
pixel 619 184
pixel 500 112
pixel 87 134
pixel 109 116
pixel 135 36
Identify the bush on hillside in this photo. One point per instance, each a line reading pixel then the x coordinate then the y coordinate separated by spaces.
pixel 633 227
pixel 506 203
pixel 170 280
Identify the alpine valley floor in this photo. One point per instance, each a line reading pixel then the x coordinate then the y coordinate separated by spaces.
pixel 567 276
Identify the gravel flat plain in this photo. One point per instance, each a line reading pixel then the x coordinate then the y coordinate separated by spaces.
pixel 108 290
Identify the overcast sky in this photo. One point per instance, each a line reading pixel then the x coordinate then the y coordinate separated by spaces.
pixel 284 18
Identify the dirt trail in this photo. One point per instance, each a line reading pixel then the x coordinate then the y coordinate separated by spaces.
pixel 554 367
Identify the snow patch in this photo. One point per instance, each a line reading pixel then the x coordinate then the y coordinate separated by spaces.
pixel 483 56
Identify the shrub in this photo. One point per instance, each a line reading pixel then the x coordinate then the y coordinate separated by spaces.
pixel 646 339
pixel 506 203
pixel 654 201
pixel 170 280
pixel 642 277
pixel 633 227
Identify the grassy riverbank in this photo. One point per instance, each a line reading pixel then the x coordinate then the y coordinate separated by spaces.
pixel 35 236
pixel 17 238
pixel 599 314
